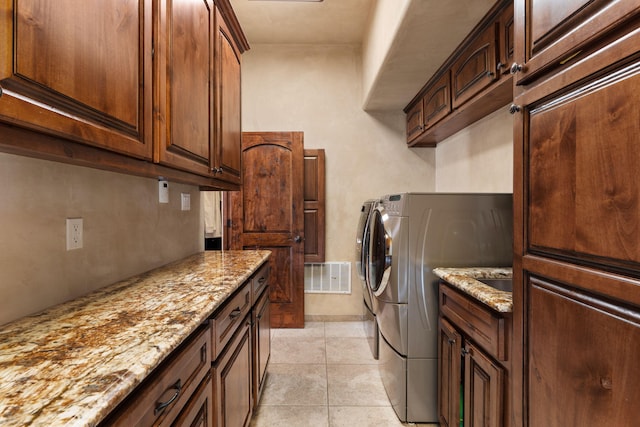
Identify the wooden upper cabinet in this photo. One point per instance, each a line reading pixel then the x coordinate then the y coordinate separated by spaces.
pixel 473 82
pixel 227 153
pixel 437 100
pixel 415 121
pixel 184 93
pixel 475 69
pixel 561 32
pixel 63 74
pixel 506 44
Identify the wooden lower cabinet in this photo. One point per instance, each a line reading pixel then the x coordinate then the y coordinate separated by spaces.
pixel 240 364
pixel 449 375
pixel 583 358
pixel 170 392
pixel 467 371
pixel 215 377
pixel 233 381
pixel 484 389
pixel 199 411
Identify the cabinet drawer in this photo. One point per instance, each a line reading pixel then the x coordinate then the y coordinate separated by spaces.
pixel 259 282
pixel 163 395
pixel 479 322
pixel 229 318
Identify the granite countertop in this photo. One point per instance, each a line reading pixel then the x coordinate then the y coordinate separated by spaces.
pixel 465 280
pixel 73 363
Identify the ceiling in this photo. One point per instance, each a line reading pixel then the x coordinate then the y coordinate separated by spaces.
pixel 428 32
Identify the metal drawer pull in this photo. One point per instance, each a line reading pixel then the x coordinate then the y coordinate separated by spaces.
pixel 262 280
pixel 235 313
pixel 161 405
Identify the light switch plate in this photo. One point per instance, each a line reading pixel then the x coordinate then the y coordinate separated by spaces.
pixel 185 199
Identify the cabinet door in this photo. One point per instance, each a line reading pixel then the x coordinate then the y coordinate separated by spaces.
pixel 199 410
pixel 184 71
pixel 475 69
pixel 506 41
pixel 262 344
pixel 562 31
pixel 483 391
pixel 437 100
pixel 583 358
pixel 582 159
pixel 415 121
pixel 227 159
pixel 449 379
pixel 233 381
pixel 80 70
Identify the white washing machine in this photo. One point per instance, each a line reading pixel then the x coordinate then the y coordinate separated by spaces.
pixel 411 234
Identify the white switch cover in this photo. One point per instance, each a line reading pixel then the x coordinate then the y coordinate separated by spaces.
pixel 74 233
pixel 186 201
pixel 163 191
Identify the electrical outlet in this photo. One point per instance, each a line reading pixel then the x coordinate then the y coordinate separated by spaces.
pixel 74 233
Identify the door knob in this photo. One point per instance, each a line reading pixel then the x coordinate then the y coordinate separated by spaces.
pixel 297 239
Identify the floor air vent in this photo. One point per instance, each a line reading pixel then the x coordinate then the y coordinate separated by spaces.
pixel 327 278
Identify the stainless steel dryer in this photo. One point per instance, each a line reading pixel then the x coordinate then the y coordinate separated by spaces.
pixel 412 233
pixel 362 257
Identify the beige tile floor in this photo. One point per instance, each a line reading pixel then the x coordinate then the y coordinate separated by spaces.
pixel 324 376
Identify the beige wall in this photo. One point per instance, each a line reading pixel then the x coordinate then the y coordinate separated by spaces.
pixel 126 231
pixel 478 159
pixel 318 90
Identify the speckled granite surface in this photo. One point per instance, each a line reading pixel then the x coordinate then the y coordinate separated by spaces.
pixel 465 280
pixel 72 364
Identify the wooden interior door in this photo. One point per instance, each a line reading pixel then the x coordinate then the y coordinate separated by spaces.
pixel 268 213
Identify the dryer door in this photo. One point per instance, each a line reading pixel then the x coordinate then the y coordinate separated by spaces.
pixel 380 252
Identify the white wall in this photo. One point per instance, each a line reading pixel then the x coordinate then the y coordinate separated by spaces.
pixel 126 231
pixel 318 90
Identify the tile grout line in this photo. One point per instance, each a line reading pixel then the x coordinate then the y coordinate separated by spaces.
pixel 326 371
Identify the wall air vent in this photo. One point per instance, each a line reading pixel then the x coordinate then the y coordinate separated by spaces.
pixel 327 278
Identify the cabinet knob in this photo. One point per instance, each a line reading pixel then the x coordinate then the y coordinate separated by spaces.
pixel 465 351
pixel 500 66
pixel 452 341
pixel 514 109
pixel 516 68
pixel 490 74
pixel 0 91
